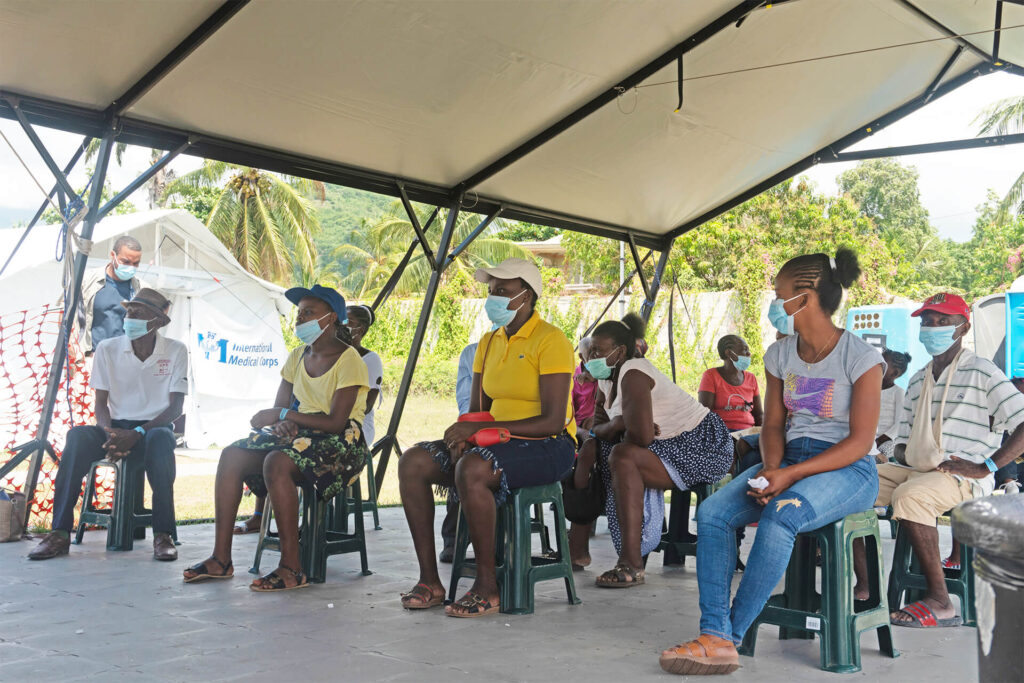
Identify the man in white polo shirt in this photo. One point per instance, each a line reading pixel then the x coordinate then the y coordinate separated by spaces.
pixel 140 379
pixel 946 454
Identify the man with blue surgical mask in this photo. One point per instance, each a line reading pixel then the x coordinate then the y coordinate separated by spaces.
pixel 140 379
pixel 103 290
pixel 947 448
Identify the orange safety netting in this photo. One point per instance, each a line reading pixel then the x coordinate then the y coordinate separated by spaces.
pixel 27 341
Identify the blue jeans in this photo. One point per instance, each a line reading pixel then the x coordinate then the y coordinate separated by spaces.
pixel 808 504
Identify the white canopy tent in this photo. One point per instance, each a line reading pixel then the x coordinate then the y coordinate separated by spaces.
pixel 228 319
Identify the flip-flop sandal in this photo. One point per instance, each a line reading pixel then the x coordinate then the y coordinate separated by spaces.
pixel 202 574
pixel 421 592
pixel 616 577
pixel 699 657
pixel 475 606
pixel 949 564
pixel 923 617
pixel 276 583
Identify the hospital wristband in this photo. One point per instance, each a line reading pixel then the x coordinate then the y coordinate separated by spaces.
pixel 140 430
pixel 283 415
pixel 990 465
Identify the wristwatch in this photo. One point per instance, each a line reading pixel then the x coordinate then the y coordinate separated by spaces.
pixel 140 430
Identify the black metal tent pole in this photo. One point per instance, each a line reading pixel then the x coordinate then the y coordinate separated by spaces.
pixel 652 291
pixel 40 444
pixel 389 286
pixel 611 301
pixel 46 202
pixel 477 231
pixel 437 270
pixel 925 148
pixel 671 331
pixel 142 179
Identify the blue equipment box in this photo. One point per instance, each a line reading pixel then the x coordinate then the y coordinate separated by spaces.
pixel 1015 334
pixel 891 327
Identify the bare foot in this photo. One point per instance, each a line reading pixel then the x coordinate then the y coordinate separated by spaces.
pixel 861 592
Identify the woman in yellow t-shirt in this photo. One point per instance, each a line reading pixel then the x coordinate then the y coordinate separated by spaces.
pixel 314 440
pixel 521 375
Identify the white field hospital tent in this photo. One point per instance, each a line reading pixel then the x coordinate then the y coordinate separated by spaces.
pixel 228 319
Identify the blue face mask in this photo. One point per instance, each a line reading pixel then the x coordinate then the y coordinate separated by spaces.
pixel 938 340
pixel 309 332
pixel 123 272
pixel 496 308
pixel 598 368
pixel 135 328
pixel 780 320
pixel 742 363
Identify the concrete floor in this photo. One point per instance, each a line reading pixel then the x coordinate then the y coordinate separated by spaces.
pixel 122 616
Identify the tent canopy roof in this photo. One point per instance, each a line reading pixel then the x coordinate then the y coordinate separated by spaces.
pixel 367 93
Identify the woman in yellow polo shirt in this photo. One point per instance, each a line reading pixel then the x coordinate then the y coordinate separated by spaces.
pixel 314 441
pixel 521 375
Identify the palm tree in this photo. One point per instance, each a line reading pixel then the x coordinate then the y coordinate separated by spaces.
pixel 1006 117
pixel 376 250
pixel 267 220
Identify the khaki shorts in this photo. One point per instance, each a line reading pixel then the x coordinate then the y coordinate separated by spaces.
pixel 919 497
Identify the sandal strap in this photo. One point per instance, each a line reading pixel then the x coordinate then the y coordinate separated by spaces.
pixel 420 590
pixel 473 602
pixel 200 567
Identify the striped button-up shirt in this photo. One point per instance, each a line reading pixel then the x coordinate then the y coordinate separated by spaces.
pixel 981 405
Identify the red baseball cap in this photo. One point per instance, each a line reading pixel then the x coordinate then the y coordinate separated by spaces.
pixel 950 304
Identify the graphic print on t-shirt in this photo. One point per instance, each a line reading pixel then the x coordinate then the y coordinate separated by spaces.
pixel 813 394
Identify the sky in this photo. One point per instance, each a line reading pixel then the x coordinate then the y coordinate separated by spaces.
pixel 952 184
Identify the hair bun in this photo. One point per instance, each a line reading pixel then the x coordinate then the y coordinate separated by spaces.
pixel 635 324
pixel 847 268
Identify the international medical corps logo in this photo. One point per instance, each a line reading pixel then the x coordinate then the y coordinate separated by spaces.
pixel 220 350
pixel 209 343
pixel 813 394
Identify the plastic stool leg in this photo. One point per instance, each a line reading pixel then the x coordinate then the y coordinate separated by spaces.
pixel 372 491
pixel 562 539
pixel 459 556
pixel 268 512
pixel 360 530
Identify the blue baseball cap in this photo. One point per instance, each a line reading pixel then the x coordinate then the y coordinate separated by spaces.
pixel 328 295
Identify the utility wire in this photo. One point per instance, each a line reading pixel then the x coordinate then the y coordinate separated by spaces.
pixel 832 56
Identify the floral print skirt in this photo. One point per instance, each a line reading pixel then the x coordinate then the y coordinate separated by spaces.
pixel 328 462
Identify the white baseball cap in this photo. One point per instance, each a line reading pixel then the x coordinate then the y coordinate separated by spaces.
pixel 510 269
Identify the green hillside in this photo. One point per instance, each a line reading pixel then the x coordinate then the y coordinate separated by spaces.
pixel 343 212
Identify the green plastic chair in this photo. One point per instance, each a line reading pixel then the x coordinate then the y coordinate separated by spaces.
pixel 370 504
pixel 676 540
pixel 907 584
pixel 517 568
pixel 127 519
pixel 320 532
pixel 833 615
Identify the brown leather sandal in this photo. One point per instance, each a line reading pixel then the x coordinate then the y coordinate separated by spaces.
pixel 201 573
pixel 621 576
pixel 701 657
pixel 474 605
pixel 424 595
